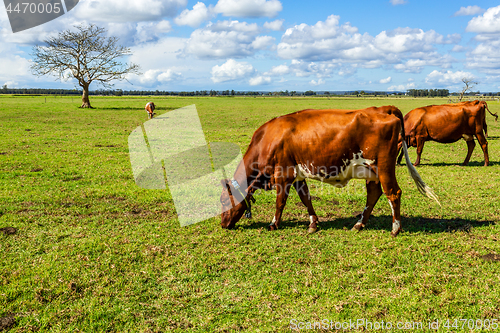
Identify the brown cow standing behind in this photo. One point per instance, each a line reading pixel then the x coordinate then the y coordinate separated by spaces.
pixel 150 108
pixel 446 124
pixel 332 146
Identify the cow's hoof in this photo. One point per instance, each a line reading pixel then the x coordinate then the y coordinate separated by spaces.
pixel 312 230
pixel 272 227
pixel 358 227
pixel 395 233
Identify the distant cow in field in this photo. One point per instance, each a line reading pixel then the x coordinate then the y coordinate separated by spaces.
pixel 446 124
pixel 332 146
pixel 150 108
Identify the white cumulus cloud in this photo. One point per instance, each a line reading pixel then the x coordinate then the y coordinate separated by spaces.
pixel 407 39
pixel 416 65
pixel 262 42
pixel 387 80
pixel 469 10
pixel 276 25
pixel 227 39
pixel 168 76
pixel 193 18
pixel 342 43
pixel 324 40
pixel 485 57
pixel 231 70
pixel 13 67
pixel 279 70
pixel 305 69
pixel 146 31
pixel 259 80
pixel 487 23
pixel 149 77
pixel 127 10
pixel 248 8
pixel 317 83
pixel 447 77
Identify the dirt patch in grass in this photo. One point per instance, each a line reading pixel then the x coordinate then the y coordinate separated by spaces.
pixel 114 198
pixel 8 231
pixel 491 257
pixel 73 179
pixel 313 198
pixel 106 146
pixel 7 322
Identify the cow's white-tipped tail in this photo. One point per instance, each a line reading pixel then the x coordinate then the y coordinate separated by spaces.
pixel 421 185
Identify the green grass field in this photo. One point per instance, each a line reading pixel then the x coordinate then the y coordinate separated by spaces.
pixel 94 252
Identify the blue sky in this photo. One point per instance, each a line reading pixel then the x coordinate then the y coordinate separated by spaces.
pixel 181 45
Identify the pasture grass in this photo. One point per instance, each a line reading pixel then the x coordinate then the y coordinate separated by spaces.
pixel 94 252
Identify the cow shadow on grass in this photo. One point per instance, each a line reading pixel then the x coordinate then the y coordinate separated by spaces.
pixel 132 108
pixel 459 164
pixel 413 224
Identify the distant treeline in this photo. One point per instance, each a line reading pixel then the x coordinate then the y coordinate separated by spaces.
pixel 119 92
pixel 428 92
pixel 36 91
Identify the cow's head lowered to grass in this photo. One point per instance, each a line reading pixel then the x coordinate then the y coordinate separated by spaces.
pixel 233 204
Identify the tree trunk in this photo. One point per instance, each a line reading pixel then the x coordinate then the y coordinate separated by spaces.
pixel 85 97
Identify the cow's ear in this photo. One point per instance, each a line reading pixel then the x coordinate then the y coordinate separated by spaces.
pixel 225 185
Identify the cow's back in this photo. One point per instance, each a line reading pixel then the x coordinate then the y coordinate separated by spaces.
pixel 325 137
pixel 442 123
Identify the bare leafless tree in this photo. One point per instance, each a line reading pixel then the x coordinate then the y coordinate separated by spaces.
pixel 85 54
pixel 469 84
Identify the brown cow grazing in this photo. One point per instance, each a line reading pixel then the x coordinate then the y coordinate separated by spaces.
pixel 150 107
pixel 446 124
pixel 332 146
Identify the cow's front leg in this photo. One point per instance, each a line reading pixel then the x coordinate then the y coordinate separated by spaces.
pixel 373 193
pixel 305 197
pixel 393 194
pixel 283 190
pixel 420 148
pixel 484 146
pixel 470 148
pixel 394 197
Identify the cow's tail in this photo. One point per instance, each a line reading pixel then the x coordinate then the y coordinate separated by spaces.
pixel 493 114
pixel 421 185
